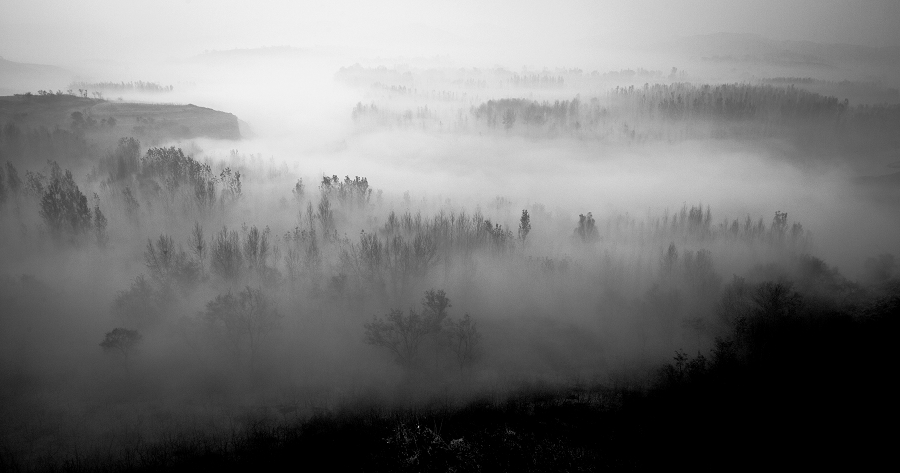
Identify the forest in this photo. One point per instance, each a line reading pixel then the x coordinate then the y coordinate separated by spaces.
pixel 412 266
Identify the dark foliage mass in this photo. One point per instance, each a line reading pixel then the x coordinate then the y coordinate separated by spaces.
pixel 774 391
pixel 63 207
pixel 674 111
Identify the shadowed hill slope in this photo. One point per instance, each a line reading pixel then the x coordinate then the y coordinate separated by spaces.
pixel 175 121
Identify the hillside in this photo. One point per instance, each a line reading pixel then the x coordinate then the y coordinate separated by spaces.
pixel 18 77
pixel 157 121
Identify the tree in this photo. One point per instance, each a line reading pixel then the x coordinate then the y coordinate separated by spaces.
pixel 168 265
pixel 77 119
pixel 141 305
pixel 131 204
pixel 12 178
pixel 231 185
pixel 63 207
pixel 466 342
pixel 256 248
pixel 509 118
pixel 326 215
pixel 776 300
pixel 125 161
pixel 404 334
pixel 586 227
pixel 227 259
pixel 298 190
pixel 524 226
pixel 199 246
pixel 436 303
pixel 669 258
pixel 736 303
pixel 779 225
pixel 401 335
pixel 243 321
pixel 122 341
pixel 100 223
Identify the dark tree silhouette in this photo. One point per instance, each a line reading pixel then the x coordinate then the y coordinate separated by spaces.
pixel 63 207
pixel 121 340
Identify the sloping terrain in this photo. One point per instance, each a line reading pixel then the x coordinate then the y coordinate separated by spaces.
pixel 188 120
pixel 159 120
pixel 17 77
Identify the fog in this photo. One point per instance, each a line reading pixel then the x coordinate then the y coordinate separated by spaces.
pixel 593 187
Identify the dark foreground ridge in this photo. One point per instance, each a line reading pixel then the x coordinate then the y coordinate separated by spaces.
pixel 788 390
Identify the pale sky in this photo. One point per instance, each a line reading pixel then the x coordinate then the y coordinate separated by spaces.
pixel 68 31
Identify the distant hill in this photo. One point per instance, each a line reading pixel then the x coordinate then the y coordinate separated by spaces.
pixel 734 47
pixel 17 77
pixel 150 120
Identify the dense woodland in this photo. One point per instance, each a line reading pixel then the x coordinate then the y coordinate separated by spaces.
pixel 817 126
